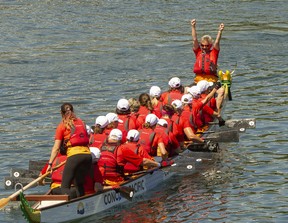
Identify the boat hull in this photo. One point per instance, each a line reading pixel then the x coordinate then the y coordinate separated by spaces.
pixel 93 204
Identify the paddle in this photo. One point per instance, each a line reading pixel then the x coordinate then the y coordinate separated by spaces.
pixel 220 136
pixel 209 146
pixel 223 136
pixel 19 182
pixel 18 172
pixel 126 192
pixel 5 201
pixel 175 166
pixel 248 123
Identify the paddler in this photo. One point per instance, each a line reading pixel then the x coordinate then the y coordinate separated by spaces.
pixel 114 157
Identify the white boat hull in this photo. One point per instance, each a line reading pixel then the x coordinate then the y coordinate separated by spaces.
pixel 90 205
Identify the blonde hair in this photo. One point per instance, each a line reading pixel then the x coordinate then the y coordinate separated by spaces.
pixel 207 38
pixel 134 104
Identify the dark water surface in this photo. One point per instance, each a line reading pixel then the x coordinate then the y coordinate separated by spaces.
pixel 93 53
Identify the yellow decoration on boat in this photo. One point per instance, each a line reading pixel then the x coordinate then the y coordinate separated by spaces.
pixel 226 81
pixel 225 76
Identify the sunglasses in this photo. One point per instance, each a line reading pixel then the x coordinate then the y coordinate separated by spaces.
pixel 203 45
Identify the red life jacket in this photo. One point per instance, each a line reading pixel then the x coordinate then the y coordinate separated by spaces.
pixel 171 96
pixel 172 127
pixel 169 140
pixel 125 125
pixel 197 107
pixel 142 113
pixel 187 113
pixel 79 135
pixel 129 167
pixel 164 132
pixel 56 176
pixel 157 109
pixel 212 104
pixel 96 140
pixel 205 63
pixel 146 139
pixel 108 161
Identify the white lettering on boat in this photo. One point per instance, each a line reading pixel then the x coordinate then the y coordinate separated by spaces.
pixel 111 197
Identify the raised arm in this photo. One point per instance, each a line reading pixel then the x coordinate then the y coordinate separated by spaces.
pixel 194 35
pixel 218 37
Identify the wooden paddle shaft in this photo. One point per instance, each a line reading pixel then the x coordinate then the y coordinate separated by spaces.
pixel 31 184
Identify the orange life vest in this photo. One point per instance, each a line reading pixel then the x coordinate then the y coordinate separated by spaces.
pixel 125 125
pixel 171 96
pixel 205 63
pixel 96 140
pixel 79 135
pixel 108 161
pixel 129 167
pixel 146 139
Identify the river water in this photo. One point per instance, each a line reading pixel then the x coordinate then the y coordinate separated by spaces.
pixel 92 53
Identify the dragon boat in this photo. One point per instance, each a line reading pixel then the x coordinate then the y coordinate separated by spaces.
pixel 45 208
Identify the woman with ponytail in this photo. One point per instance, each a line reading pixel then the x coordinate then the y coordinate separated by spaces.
pixel 146 108
pixel 72 136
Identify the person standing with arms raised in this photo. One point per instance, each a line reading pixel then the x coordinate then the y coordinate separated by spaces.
pixel 207 52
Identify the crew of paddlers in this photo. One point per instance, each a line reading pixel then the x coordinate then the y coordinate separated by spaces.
pixel 127 140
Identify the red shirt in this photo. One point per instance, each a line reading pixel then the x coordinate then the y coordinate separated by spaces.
pixel 182 123
pixel 163 131
pixel 197 107
pixel 207 114
pixel 142 113
pixel 141 151
pixel 187 114
pixel 137 149
pixel 125 155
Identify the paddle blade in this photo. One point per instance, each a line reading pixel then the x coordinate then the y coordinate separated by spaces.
pixel 224 136
pixel 4 202
pixel 204 147
pixel 248 123
pixel 126 192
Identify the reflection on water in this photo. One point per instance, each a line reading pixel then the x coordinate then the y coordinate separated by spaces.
pixel 93 53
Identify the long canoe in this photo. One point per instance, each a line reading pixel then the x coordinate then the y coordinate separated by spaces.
pixel 47 208
pixel 70 210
